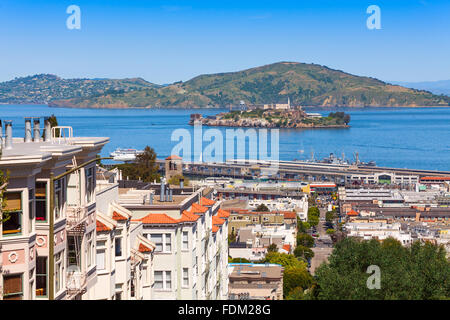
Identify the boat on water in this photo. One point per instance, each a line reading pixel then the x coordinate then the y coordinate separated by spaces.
pixel 125 154
pixel 333 159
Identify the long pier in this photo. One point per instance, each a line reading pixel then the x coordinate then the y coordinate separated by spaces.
pixel 295 170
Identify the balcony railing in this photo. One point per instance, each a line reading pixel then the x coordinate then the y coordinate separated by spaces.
pixel 75 216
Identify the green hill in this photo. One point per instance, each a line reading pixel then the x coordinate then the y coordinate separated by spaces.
pixel 304 84
pixel 43 88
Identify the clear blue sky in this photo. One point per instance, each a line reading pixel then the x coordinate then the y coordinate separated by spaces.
pixel 167 41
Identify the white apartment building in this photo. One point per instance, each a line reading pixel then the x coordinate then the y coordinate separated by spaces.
pixel 124 257
pixel 191 250
pixel 380 230
pixel 26 238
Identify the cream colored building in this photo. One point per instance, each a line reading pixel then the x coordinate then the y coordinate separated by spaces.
pixel 25 235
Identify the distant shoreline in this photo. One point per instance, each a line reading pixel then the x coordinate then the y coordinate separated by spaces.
pixel 219 108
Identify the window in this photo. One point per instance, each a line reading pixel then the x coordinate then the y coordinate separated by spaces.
pixel 101 257
pixel 89 184
pixel 59 197
pixel 168 243
pixel 118 242
pixel 185 277
pixel 89 249
pixel 59 272
pixel 12 287
pixel 157 240
pixel 163 280
pixel 30 209
pixel 12 213
pixel 73 253
pixel 163 242
pixel 185 240
pixel 41 201
pixel 41 276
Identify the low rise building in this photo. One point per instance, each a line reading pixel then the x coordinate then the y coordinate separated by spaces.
pixel 255 281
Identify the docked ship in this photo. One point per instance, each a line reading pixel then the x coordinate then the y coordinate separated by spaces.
pixel 125 154
pixel 333 159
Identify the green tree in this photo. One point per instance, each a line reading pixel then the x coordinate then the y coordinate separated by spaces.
pixel 232 237
pixel 262 208
pixel 330 216
pixel 313 216
pixel 330 231
pixel 306 240
pixel 284 259
pixel 175 180
pixel 303 252
pixel 293 278
pixel 144 168
pixel 240 260
pixel 419 272
pixel 272 248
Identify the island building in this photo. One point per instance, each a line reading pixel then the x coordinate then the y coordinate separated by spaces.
pixel 250 281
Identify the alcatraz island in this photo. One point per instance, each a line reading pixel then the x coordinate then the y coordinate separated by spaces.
pixel 272 116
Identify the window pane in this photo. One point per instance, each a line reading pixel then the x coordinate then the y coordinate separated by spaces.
pixel 118 247
pixel 12 223
pixel 41 276
pixel 101 260
pixel 168 280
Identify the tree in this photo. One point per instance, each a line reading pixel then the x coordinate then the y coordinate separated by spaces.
pixel 313 216
pixel 272 248
pixel 330 216
pixel 330 231
pixel 303 252
pixel 262 208
pixel 294 280
pixel 175 180
pixel 240 260
pixel 418 272
pixel 232 237
pixel 53 123
pixel 306 240
pixel 286 260
pixel 144 168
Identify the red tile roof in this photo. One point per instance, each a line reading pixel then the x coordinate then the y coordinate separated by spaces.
pixel 188 216
pixel 290 215
pixel 287 247
pixel 206 202
pixel 144 248
pixel 101 227
pixel 215 229
pixel 435 178
pixel 352 213
pixel 223 213
pixel 158 218
pixel 118 217
pixel 217 221
pixel 197 208
pixel 174 157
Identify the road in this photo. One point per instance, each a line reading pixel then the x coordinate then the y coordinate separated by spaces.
pixel 323 247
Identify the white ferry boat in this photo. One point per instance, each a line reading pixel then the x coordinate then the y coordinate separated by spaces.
pixel 125 154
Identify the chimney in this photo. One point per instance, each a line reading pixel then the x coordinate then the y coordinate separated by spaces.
pixel 417 216
pixel 8 134
pixel 47 129
pixel 170 195
pixel 36 130
pixel 161 196
pixel 28 130
pixel 151 198
pixel 181 183
pixel 2 141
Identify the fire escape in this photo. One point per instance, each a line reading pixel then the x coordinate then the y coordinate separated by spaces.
pixel 76 217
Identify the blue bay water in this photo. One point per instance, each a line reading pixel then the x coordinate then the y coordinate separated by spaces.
pixel 416 138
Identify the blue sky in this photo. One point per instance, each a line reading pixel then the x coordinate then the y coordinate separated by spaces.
pixel 167 41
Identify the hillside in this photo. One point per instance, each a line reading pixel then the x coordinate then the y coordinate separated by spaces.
pixel 435 87
pixel 304 84
pixel 43 88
